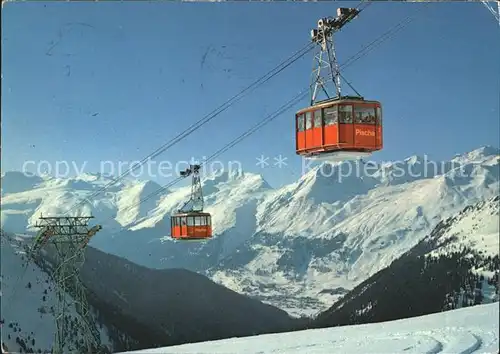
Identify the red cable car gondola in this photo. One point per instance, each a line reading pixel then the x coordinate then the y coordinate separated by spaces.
pixel 343 127
pixel 339 129
pixel 192 224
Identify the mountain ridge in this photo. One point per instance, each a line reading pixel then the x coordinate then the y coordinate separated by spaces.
pixel 302 240
pixel 456 265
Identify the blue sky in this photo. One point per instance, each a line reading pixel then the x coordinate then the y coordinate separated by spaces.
pixel 90 82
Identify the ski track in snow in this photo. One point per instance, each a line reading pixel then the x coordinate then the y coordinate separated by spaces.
pixel 464 331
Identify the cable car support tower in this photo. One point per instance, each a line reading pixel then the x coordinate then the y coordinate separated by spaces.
pixel 326 69
pixel 69 236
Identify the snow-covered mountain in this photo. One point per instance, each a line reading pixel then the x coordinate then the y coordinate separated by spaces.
pixel 456 265
pixel 298 247
pixel 133 307
pixel 468 330
pixel 28 304
pixel 476 227
pixel 25 198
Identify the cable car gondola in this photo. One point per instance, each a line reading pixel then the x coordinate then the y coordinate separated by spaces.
pixel 342 127
pixel 339 129
pixel 192 224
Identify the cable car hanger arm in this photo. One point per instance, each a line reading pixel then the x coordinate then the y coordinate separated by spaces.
pixel 196 197
pixel 329 25
pixel 326 66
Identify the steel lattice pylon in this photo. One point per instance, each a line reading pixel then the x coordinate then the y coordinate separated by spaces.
pixel 69 236
pixel 326 72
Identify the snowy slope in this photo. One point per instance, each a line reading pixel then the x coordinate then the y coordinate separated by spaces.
pixel 306 246
pixel 456 265
pixel 468 330
pixel 297 247
pixel 476 227
pixel 28 300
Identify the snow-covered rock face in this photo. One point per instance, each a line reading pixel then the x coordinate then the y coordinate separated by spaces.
pixel 310 240
pixel 476 227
